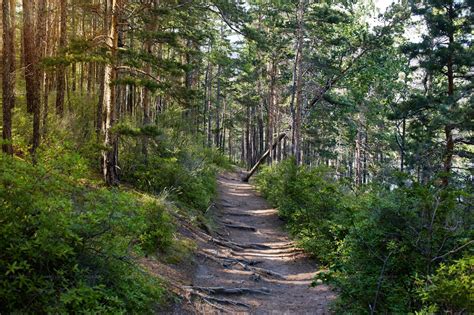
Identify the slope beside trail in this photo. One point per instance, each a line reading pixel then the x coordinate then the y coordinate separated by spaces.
pixel 250 266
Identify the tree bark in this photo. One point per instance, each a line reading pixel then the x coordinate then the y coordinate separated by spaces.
pixel 218 105
pixel 248 145
pixel 8 74
pixel 299 82
pixel 60 75
pixel 358 158
pixel 271 109
pixel 110 155
pixel 32 71
pixel 448 129
pixel 146 93
pixel 41 44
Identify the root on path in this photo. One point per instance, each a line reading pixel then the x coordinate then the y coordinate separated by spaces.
pixel 209 299
pixel 240 227
pixel 245 264
pixel 231 291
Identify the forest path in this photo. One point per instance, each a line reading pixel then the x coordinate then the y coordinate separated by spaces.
pixel 251 266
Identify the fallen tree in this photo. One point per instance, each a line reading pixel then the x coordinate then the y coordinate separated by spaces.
pixel 263 157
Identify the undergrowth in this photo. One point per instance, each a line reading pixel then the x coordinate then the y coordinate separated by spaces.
pixel 69 244
pixel 387 249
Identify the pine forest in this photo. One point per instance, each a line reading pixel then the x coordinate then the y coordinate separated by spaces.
pixel 237 157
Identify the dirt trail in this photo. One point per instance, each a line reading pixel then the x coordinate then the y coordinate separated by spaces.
pixel 251 266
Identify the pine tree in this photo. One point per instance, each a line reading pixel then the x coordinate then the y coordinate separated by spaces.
pixel 445 55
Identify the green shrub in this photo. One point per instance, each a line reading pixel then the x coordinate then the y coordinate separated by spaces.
pixel 375 241
pixel 312 203
pixel 65 245
pixel 159 229
pixel 173 164
pixel 450 289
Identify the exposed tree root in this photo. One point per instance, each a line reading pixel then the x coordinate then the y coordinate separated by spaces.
pixel 218 241
pixel 248 245
pixel 232 291
pixel 238 214
pixel 277 251
pixel 207 298
pixel 248 265
pixel 228 205
pixel 226 261
pixel 218 307
pixel 265 272
pixel 240 227
pixel 263 254
pixel 223 243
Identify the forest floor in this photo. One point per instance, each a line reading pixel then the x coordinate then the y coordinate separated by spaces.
pixel 249 265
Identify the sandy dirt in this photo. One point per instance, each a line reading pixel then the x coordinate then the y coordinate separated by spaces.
pixel 251 266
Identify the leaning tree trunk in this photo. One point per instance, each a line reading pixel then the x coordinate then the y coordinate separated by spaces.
pixel 265 155
pixel 8 77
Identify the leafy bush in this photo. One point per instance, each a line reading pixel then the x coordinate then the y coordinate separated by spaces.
pixel 313 204
pixel 159 229
pixel 375 241
pixel 65 244
pixel 173 164
pixel 450 289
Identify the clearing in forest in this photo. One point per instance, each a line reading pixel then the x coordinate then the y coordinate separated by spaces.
pixel 250 265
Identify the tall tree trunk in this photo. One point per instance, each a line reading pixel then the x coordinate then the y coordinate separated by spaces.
pixel 32 71
pixel 358 158
pixel 218 107
pixel 110 155
pixel 8 74
pixel 242 147
pixel 248 145
pixel 60 75
pixel 299 83
pixel 253 135
pixel 365 172
pixel 231 152
pixel 209 108
pixel 402 146
pixel 271 110
pixel 41 44
pixel 100 103
pixel 207 80
pixel 224 125
pixel 448 129
pixel 146 93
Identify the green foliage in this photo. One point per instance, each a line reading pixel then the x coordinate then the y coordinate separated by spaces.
pixel 377 242
pixel 159 229
pixel 312 202
pixel 65 243
pixel 173 163
pixel 450 289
